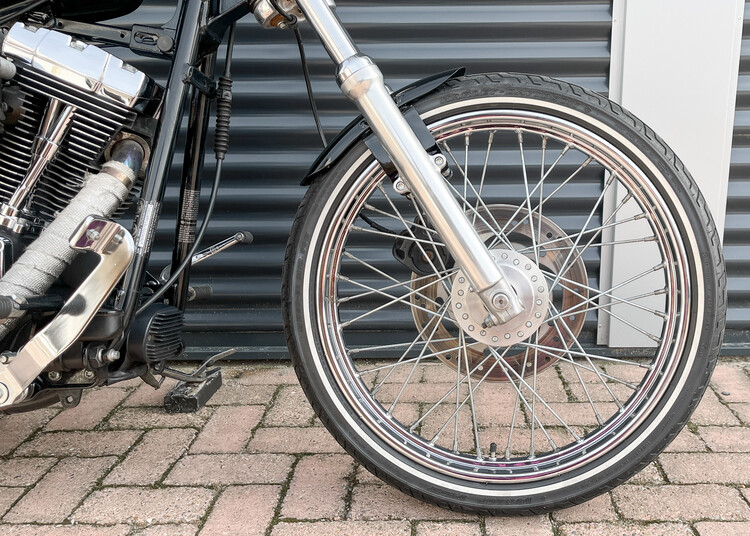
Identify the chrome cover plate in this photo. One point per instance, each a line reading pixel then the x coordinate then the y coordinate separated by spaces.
pixel 115 248
pixel 83 66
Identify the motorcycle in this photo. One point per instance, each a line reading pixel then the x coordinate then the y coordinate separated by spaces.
pixel 433 308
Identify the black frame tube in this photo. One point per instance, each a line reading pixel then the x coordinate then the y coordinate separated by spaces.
pixel 192 18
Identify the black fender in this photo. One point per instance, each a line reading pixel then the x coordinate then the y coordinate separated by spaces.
pixel 359 129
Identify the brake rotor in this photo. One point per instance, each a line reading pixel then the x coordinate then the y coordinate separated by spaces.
pixel 553 250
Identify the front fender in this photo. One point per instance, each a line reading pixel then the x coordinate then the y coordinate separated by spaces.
pixel 358 129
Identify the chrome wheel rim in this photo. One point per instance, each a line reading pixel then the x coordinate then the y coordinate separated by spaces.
pixel 547 452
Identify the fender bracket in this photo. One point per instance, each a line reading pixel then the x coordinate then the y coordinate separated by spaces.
pixel 359 129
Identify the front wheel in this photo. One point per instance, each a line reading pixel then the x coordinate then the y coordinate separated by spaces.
pixel 387 335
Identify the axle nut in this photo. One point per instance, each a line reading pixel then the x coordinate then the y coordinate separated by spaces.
pixel 500 301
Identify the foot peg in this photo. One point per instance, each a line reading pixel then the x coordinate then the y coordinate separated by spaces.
pixel 115 248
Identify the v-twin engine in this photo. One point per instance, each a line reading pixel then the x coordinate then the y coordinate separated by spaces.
pixel 68 102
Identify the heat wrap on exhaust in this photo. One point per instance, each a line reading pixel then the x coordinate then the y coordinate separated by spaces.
pixel 50 254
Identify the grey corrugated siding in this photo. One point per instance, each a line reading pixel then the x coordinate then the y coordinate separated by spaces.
pixel 274 139
pixel 737 231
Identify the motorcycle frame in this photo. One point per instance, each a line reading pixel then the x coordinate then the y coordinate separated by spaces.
pixel 199 28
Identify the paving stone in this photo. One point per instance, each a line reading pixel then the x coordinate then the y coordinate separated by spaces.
pixel 573 413
pixel 17 428
pixel 344 528
pixel 712 412
pixel 385 502
pixel 686 441
pixel 94 406
pixel 228 429
pixel 294 441
pixel 414 392
pixel 242 395
pixel 526 526
pixel 79 443
pixel 733 380
pixel 7 497
pixel 268 376
pixel 726 439
pixel 65 530
pixel 716 468
pixel 318 487
pixel 366 477
pixel 291 408
pixel 148 461
pixel 212 469
pixel 597 509
pixel 145 395
pixel 183 529
pixel 146 418
pixel 246 510
pixel 427 528
pixel 23 471
pixel 145 506
pixel 648 475
pixel 59 492
pixel 625 529
pixel 720 528
pixel 680 503
pixel 743 410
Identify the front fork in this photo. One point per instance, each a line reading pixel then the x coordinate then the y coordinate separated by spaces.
pixel 362 82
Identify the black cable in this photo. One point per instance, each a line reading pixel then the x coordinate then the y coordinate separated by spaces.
pixel 198 237
pixel 9 13
pixel 292 23
pixel 308 85
pixel 220 150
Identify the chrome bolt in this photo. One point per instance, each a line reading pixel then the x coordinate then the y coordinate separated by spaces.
pixel 541 289
pixel 528 267
pixel 538 315
pixel 92 234
pixel 461 280
pixel 471 328
pixel 281 25
pixel 507 335
pixel 516 262
pixel 520 333
pixel 483 333
pixel 460 292
pixel 465 316
pixel 539 302
pixel 528 324
pixel 89 374
pixel 505 255
pixel 458 305
pixel 494 339
pixel 534 278
pixel 399 185
pixel 54 376
pixel 439 160
pixel 111 355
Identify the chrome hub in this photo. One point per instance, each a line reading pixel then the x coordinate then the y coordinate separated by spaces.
pixel 529 283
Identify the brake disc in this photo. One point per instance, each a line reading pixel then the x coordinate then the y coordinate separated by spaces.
pixel 551 256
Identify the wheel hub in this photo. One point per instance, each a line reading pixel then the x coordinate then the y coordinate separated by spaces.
pixel 526 279
pixel 553 247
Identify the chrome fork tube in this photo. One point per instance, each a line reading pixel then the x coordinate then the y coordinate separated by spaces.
pixel 362 82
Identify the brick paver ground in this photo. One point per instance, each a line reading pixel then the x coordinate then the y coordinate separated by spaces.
pixel 257 461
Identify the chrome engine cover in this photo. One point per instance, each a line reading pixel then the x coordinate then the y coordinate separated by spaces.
pixel 108 95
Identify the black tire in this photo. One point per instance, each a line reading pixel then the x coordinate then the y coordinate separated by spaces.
pixel 638 428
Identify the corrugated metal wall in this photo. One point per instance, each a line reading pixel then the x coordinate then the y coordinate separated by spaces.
pixel 737 232
pixel 274 139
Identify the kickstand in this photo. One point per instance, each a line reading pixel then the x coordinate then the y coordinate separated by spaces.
pixel 195 389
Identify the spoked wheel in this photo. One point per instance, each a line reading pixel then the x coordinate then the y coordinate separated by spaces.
pixel 390 341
